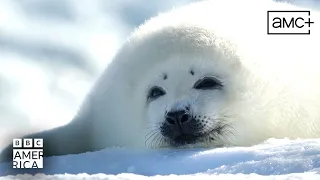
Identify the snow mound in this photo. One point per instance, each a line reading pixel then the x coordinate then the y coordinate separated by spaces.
pixel 273 159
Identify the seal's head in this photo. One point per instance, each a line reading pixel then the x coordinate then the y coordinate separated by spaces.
pixel 185 79
pixel 189 88
pixel 187 101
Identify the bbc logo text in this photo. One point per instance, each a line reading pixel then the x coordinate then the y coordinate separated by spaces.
pixel 27 153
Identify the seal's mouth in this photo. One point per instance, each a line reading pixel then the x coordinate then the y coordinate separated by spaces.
pixel 184 139
pixel 193 132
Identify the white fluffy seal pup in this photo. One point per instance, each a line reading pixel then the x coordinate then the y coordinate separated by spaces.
pixel 203 75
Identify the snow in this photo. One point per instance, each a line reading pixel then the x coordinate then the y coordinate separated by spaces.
pixel 126 176
pixel 273 159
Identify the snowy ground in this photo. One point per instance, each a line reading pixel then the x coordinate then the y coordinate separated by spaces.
pixel 274 159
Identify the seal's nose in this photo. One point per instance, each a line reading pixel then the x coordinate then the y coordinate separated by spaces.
pixel 180 127
pixel 179 117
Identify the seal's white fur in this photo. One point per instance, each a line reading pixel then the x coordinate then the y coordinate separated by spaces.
pixel 271 83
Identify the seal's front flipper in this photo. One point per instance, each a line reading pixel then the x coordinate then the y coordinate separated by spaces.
pixel 68 139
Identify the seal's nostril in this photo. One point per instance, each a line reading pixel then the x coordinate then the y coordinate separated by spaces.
pixel 178 117
pixel 184 118
pixel 170 121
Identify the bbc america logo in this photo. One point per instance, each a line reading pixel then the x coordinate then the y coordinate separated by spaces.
pixel 27 153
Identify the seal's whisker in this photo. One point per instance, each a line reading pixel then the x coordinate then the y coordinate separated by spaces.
pixel 150 136
pixel 156 140
pixel 152 131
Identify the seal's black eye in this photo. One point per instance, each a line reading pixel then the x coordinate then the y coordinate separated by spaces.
pixel 207 83
pixel 155 92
